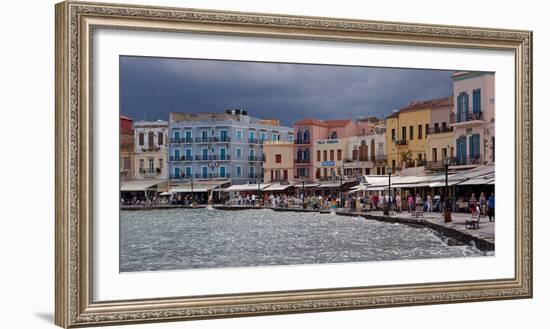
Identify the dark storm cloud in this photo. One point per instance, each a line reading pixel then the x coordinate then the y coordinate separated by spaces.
pixel 152 87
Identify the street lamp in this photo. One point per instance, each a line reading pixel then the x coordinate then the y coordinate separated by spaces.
pixel 341 193
pixel 447 211
pixel 387 208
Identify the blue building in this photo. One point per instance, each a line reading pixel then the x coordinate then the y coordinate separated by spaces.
pixel 225 146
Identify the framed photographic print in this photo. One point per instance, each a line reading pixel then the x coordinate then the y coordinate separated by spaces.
pixel 216 164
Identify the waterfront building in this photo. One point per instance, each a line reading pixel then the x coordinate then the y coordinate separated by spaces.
pixel 278 161
pixel 440 139
pixel 308 131
pixel 224 146
pixel 126 148
pixel 329 157
pixel 151 151
pixel 473 118
pixel 366 154
pixel 407 132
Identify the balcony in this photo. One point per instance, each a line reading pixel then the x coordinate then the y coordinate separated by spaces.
pixel 181 140
pixel 182 176
pixel 302 141
pixel 438 165
pixel 439 130
pixel 466 118
pixel 212 176
pixel 415 163
pixel 400 142
pixel 302 161
pixel 212 157
pixel 203 139
pixel 256 158
pixel 223 139
pixel 181 158
pixel 149 173
pixel 255 176
pixel 150 148
pixel 253 141
pixel 475 160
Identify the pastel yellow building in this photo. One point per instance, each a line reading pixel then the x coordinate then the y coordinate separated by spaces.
pixel 278 162
pixel 328 157
pixel 407 132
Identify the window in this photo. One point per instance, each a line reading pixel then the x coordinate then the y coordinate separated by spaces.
pixel 161 164
pixel 476 99
pixel 404 133
pixel 474 146
pixel 393 137
pixel 306 136
pixel 325 155
pixel 419 131
pixel 331 155
pixel 263 136
pixel 160 137
pixel 411 132
pixel 188 154
pixel 339 155
pixel 239 170
pixel 187 135
pixel 205 154
pixel 239 134
pixel 427 129
pixel 393 163
pixel 383 170
pixel 333 135
pixel 141 164
pixel 251 134
pixel 151 138
pixel 325 172
pixel 318 173
pixel 125 163
pixel 378 170
pixel 275 137
pixel 187 172
pixel 291 138
pixel 142 138
pixel 318 155
pixel 251 152
pixel 151 165
pixel 278 158
pixel 463 107
pixel 436 127
pixel 239 152
pixel 443 126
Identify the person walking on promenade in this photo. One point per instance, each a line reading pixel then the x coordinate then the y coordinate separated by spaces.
pixel 253 200
pixel 482 204
pixel 398 202
pixel 418 200
pixel 429 203
pixel 410 202
pixel 491 207
pixel 473 202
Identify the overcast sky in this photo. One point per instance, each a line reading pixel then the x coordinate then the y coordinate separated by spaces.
pixel 152 87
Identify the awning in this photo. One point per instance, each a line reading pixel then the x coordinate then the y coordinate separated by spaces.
pixel 377 188
pixel 198 187
pixel 246 187
pixel 330 185
pixel 140 185
pixel 478 181
pixel 442 184
pixel 277 187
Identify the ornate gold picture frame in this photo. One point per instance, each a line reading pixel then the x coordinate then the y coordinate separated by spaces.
pixel 76 23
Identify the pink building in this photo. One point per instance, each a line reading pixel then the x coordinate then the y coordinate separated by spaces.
pixel 306 132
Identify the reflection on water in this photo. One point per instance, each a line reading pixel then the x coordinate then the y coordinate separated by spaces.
pixel 173 239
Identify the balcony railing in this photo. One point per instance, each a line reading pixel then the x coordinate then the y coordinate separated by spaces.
pixel 181 158
pixel 203 139
pixel 212 176
pixel 256 158
pixel 400 142
pixel 181 176
pixel 224 139
pixel 439 130
pixel 302 141
pixel 181 140
pixel 212 157
pixel 302 161
pixel 439 165
pixel 475 160
pixel 255 176
pixel 253 141
pixel 465 117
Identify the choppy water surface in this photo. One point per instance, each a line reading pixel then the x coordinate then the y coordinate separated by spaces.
pixel 175 239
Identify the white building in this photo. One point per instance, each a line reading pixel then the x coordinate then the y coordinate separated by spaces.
pixel 366 154
pixel 151 150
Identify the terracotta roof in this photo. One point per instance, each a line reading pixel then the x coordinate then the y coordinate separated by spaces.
pixel 310 121
pixel 426 104
pixel 122 116
pixel 337 123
